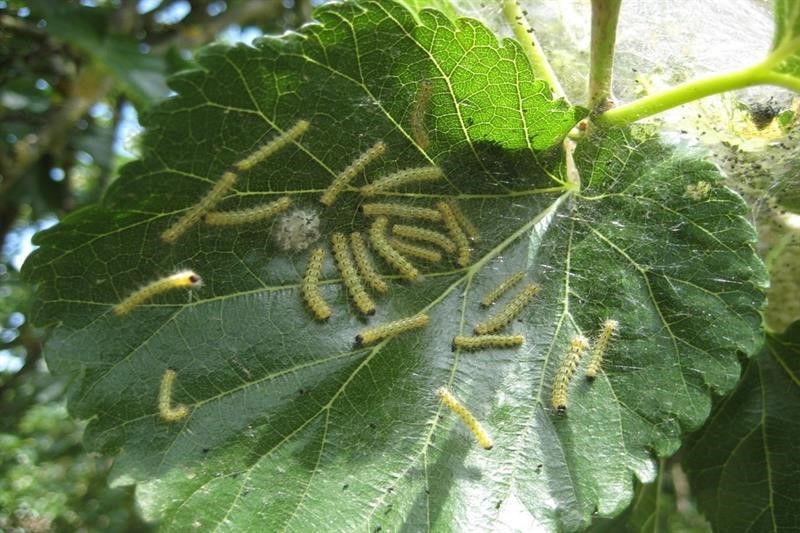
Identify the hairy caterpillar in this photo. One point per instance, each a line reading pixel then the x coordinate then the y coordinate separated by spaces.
pixel 364 264
pixel 344 260
pixel 418 110
pixel 512 309
pixel 456 233
pixel 273 146
pixel 496 293
pixel 185 279
pixel 427 235
pixel 487 341
pixel 165 409
pixel 413 250
pixel 607 330
pixel 401 211
pixel 390 329
pixel 194 213
pixel 472 423
pixel 377 235
pixel 402 177
pixel 310 285
pixel 464 222
pixel 247 216
pixel 577 346
pixel 341 181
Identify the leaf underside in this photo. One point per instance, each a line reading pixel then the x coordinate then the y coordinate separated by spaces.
pixel 291 426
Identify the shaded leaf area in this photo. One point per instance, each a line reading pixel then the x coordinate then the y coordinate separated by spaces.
pixel 787 37
pixel 291 426
pixel 743 464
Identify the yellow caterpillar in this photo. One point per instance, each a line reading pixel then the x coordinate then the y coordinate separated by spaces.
pixel 401 211
pixel 496 293
pixel 344 260
pixel 512 309
pixel 310 285
pixel 165 409
pixel 390 329
pixel 607 330
pixel 247 216
pixel 207 203
pixel 456 233
pixel 487 341
pixel 273 146
pixel 377 235
pixel 426 235
pixel 418 110
pixel 364 264
pixel 464 222
pixel 472 423
pixel 185 279
pixel 402 177
pixel 341 181
pixel 577 346
pixel 420 252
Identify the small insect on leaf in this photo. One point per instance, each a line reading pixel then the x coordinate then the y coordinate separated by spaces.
pixel 577 346
pixel 310 285
pixel 497 293
pixel 420 252
pixel 482 342
pixel 425 235
pixel 466 416
pixel 185 279
pixel 377 236
pixel 607 330
pixel 250 215
pixel 347 175
pixel 365 265
pixel 456 233
pixel 419 109
pixel 401 211
pixel 391 329
pixel 402 177
pixel 344 261
pixel 165 409
pixel 512 310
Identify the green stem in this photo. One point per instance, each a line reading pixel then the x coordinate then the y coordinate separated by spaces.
pixel 530 44
pixel 682 94
pixel 605 15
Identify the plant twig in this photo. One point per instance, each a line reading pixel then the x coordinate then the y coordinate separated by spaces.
pixel 530 44
pixel 605 15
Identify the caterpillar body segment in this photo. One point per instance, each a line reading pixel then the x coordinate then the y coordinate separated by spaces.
pixel 469 228
pixel 196 212
pixel 418 110
pixel 344 260
pixel 512 309
pixel 250 215
pixel 420 252
pixel 165 409
pixel 401 211
pixel 577 346
pixel 467 417
pixel 377 235
pixel 273 146
pixel 347 175
pixel 496 293
pixel 185 279
pixel 607 331
pixel 426 235
pixel 364 264
pixel 402 177
pixel 481 342
pixel 310 285
pixel 456 233
pixel 391 329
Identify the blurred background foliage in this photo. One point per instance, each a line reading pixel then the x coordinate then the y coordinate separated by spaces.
pixel 75 75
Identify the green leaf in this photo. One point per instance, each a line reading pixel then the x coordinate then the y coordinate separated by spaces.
pixel 291 426
pixel 785 55
pixel 140 73
pixel 743 464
